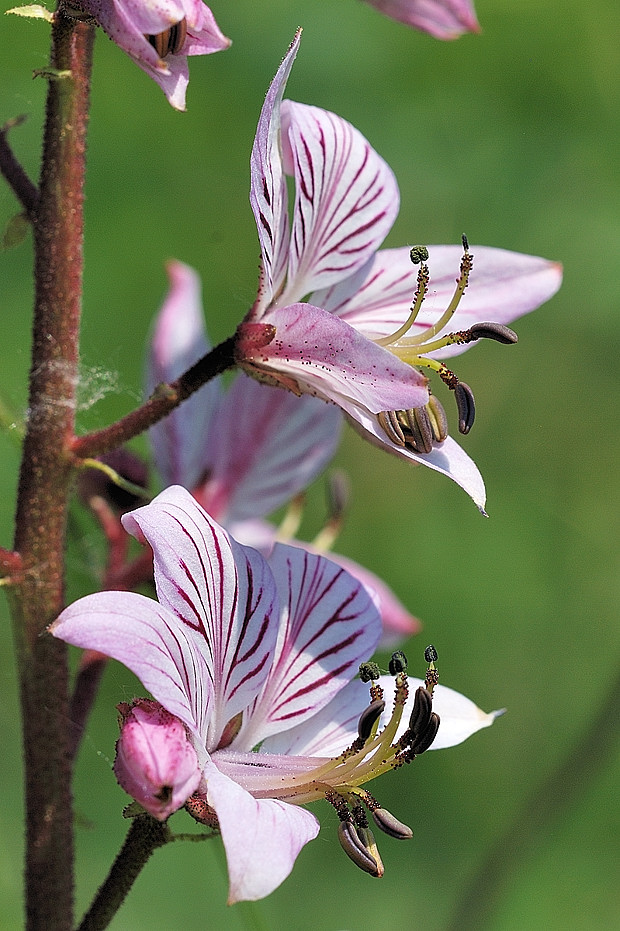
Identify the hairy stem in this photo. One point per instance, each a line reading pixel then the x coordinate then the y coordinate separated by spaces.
pixel 144 837
pixel 164 400
pixel 23 188
pixel 36 596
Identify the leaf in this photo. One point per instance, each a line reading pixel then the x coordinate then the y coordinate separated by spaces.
pixel 15 231
pixel 33 11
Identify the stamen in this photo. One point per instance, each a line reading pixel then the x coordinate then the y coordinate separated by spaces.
pixel 368 671
pixel 398 663
pixel 466 406
pixel 425 740
pixel 386 821
pixel 421 712
pixel 438 419
pixel 170 41
pixel 420 432
pixel 496 331
pixel 355 849
pixel 422 287
pixel 388 421
pixel 369 720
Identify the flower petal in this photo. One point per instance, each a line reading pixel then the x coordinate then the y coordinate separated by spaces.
pixel 334 728
pixel 149 640
pixel 316 353
pixel 443 19
pixel 502 287
pixel 180 441
pixel 268 196
pixel 328 626
pixel 222 593
pixel 268 445
pixel 262 837
pixel 448 458
pixel 346 198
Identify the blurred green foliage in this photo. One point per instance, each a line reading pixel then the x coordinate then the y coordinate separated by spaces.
pixel 511 136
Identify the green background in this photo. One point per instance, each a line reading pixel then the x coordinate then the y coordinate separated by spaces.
pixel 512 137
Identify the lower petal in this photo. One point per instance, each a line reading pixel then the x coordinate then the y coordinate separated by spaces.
pixel 262 837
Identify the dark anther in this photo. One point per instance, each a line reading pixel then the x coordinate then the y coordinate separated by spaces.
pixel 424 741
pixel 170 41
pixel 368 719
pixel 388 421
pixel 369 671
pixel 466 406
pixel 430 654
pixel 386 821
pixel 417 429
pixel 438 419
pixel 355 849
pixel 418 254
pixel 496 331
pixel 421 712
pixel 398 663
pixel 465 242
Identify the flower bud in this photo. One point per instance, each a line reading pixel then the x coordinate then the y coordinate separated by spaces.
pixel 155 760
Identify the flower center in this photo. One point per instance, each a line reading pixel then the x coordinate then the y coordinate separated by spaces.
pixel 170 41
pixel 421 428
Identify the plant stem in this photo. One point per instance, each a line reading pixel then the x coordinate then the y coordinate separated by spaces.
pixel 23 188
pixel 145 836
pixel 37 596
pixel 164 400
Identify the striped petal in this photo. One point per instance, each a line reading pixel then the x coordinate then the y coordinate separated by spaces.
pixel 267 445
pixel 346 198
pixel 223 595
pixel 151 641
pixel 268 196
pixel 328 625
pixel 262 837
pixel 178 341
pixel 503 286
pixel 334 728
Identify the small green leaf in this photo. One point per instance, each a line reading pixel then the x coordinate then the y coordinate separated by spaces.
pixel 33 11
pixel 15 231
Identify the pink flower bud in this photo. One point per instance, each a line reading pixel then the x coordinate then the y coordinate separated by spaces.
pixel 155 760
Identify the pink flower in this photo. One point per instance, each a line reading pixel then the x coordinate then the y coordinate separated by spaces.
pixel 246 451
pixel 443 19
pixel 159 36
pixel 345 322
pixel 248 653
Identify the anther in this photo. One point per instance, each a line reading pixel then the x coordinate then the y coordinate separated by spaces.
pixel 386 821
pixel 355 849
pixel 438 419
pixel 388 421
pixel 368 718
pixel 430 654
pixel 368 671
pixel 170 41
pixel 425 740
pixel 398 663
pixel 496 331
pixel 466 406
pixel 419 435
pixel 418 254
pixel 465 243
pixel 421 712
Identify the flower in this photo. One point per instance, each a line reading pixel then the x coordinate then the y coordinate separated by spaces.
pixel 443 19
pixel 159 36
pixel 334 316
pixel 251 653
pixel 246 451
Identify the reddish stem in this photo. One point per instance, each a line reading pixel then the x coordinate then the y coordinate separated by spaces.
pixel 44 482
pixel 23 188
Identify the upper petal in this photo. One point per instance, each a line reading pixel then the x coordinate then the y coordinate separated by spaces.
pixel 222 593
pixel 328 625
pixel 317 353
pixel 180 441
pixel 346 198
pixel 267 445
pixel 262 837
pixel 268 196
pixel 151 641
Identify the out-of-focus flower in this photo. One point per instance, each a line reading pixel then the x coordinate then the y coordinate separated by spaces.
pixel 251 653
pixel 248 450
pixel 339 319
pixel 443 19
pixel 159 35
